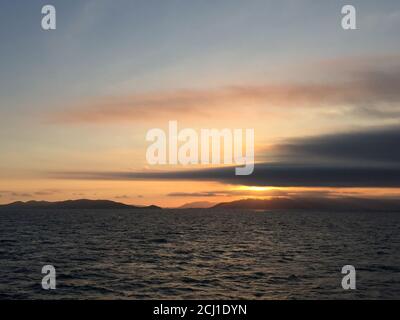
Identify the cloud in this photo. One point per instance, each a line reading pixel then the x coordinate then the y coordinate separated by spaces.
pixel 19 194
pixel 265 174
pixel 46 192
pixel 195 194
pixel 15 194
pixel 228 193
pixel 183 104
pixel 367 89
pixel 368 158
pixel 379 145
pixel 122 197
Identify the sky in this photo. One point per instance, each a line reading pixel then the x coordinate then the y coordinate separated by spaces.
pixel 76 102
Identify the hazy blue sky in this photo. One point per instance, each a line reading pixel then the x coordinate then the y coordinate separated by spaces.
pixel 101 46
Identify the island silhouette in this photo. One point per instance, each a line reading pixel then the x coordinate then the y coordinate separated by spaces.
pixel 277 203
pixel 76 204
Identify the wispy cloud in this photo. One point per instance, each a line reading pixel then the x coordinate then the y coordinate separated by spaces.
pixel 46 192
pixel 16 194
pixel 23 194
pixel 367 89
pixel 196 194
pixel 228 193
pixel 271 192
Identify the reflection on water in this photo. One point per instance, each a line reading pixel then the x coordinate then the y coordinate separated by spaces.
pixel 196 254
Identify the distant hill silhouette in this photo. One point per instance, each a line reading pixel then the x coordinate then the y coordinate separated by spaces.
pixel 278 203
pixel 198 205
pixel 331 204
pixel 75 204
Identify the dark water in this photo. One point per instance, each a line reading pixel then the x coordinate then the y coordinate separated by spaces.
pixel 196 254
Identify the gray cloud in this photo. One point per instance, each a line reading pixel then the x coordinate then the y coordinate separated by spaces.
pixel 18 194
pixel 46 192
pixel 121 197
pixel 21 195
pixel 267 174
pixel 368 158
pixel 374 146
pixel 15 193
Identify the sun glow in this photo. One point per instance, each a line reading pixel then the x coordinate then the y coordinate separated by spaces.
pixel 257 189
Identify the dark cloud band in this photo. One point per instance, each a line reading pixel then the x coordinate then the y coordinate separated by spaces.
pixel 277 175
pixel 369 158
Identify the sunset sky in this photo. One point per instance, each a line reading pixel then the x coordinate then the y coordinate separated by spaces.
pixel 76 103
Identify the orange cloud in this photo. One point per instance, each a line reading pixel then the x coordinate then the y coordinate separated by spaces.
pixel 184 104
pixel 366 92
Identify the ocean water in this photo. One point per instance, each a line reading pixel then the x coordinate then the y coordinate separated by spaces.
pixel 198 254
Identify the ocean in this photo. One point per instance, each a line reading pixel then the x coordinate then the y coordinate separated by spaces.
pixel 198 254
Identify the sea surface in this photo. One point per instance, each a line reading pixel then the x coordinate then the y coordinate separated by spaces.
pixel 198 254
